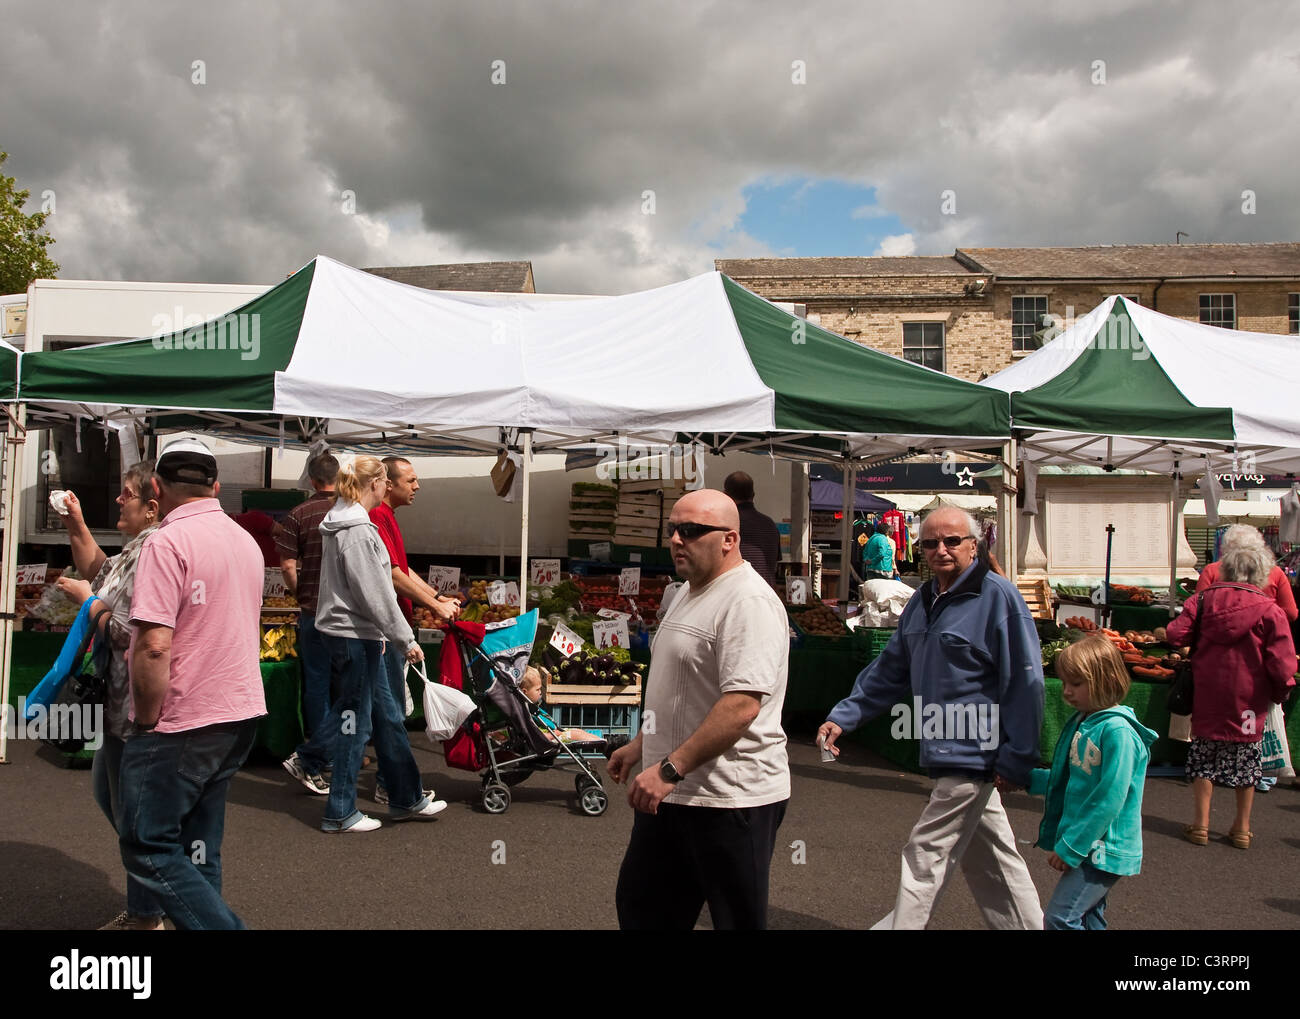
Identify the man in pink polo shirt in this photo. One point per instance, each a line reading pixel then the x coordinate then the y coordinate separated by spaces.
pixel 196 690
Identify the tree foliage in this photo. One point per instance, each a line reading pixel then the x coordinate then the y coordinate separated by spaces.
pixel 22 239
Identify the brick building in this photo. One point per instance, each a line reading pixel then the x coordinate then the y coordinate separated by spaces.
pixel 975 312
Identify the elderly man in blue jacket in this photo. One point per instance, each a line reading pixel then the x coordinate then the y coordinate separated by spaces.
pixel 964 675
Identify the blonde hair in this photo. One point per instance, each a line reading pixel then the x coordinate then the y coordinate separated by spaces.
pixel 1095 661
pixel 356 477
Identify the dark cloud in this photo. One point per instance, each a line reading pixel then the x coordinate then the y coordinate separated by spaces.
pixel 243 177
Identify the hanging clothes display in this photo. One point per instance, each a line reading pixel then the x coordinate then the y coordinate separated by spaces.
pixel 1289 531
pixel 1211 492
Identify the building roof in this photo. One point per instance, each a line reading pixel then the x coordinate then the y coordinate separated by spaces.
pixel 1136 261
pixel 496 277
pixel 910 265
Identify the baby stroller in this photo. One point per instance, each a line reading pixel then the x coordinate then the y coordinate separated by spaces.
pixel 508 737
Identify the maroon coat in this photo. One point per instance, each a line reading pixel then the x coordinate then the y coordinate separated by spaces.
pixel 1244 660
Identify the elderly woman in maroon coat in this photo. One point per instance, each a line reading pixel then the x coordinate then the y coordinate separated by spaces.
pixel 1244 661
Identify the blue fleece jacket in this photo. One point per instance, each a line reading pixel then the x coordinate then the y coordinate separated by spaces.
pixel 970 653
pixel 1094 791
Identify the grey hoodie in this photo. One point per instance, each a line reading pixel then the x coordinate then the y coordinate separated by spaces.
pixel 356 596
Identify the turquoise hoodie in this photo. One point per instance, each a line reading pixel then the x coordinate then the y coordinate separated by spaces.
pixel 1094 791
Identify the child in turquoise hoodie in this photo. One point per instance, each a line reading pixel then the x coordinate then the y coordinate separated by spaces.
pixel 1092 820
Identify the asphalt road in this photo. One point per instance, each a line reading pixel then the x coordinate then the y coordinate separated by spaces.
pixel 836 865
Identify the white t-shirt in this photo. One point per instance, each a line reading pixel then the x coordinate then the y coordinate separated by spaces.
pixel 729 636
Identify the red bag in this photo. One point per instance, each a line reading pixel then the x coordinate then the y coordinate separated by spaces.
pixel 465 749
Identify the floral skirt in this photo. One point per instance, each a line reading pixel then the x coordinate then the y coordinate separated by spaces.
pixel 1234 765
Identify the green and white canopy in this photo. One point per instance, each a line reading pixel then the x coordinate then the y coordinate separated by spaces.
pixel 340 351
pixel 8 371
pixel 1127 387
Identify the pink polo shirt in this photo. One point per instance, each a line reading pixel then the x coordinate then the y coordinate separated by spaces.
pixel 201 574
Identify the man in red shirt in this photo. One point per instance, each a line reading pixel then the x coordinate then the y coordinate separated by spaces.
pixel 402 486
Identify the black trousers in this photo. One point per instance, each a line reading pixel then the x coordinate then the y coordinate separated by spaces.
pixel 683 857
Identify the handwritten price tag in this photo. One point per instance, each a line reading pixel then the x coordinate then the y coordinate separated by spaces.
pixel 273 583
pixel 36 574
pixel 565 641
pixel 512 594
pixel 612 614
pixel 544 572
pixel 601 550
pixel 609 632
pixel 496 592
pixel 444 579
pixel 629 581
pixel 797 590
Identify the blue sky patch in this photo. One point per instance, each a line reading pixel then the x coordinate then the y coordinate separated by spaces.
pixel 808 217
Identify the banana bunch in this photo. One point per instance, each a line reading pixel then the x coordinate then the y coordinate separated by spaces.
pixel 279 643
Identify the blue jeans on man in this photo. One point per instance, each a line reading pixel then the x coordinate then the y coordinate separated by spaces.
pixel 365 696
pixel 173 816
pixel 315 660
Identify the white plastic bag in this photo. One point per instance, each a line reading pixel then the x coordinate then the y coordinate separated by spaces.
pixel 1274 750
pixel 445 709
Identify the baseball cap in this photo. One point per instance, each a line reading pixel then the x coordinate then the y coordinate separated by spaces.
pixel 187 462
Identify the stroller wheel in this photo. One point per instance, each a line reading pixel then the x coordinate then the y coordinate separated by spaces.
pixel 592 800
pixel 496 798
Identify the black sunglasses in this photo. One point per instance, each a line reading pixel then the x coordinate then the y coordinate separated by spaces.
pixel 951 541
pixel 690 532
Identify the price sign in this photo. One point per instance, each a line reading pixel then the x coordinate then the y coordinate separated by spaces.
pixel 444 579
pixel 629 580
pixel 544 572
pixel 797 590
pixel 609 632
pixel 496 592
pixel 273 583
pixel 634 557
pixel 612 614
pixel 512 594
pixel 565 641
pixel 601 550
pixel 36 574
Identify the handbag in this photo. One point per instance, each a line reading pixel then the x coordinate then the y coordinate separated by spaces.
pixel 73 719
pixel 1182 687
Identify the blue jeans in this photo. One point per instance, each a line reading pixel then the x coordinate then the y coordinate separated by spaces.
pixel 395 667
pixel 365 694
pixel 173 815
pixel 1079 902
pixel 105 784
pixel 315 659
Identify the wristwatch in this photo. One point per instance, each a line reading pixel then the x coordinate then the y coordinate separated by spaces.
pixel 668 773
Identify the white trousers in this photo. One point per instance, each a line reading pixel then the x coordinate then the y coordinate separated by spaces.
pixel 964 823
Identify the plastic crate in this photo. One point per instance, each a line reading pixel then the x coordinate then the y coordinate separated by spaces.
pixel 601 719
pixel 868 642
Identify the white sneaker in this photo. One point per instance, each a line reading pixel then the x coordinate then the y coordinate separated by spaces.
pixel 430 810
pixel 364 824
pixel 314 782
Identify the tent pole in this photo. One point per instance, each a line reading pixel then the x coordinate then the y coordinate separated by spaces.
pixel 1173 539
pixel 523 526
pixel 15 440
pixel 1009 521
pixel 850 477
pixel 799 515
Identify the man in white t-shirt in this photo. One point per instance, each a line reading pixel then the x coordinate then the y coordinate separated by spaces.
pixel 714 779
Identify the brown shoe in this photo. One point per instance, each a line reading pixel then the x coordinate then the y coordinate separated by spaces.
pixel 1197 836
pixel 1240 839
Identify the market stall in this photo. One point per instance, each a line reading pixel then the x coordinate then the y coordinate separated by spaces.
pixel 373 365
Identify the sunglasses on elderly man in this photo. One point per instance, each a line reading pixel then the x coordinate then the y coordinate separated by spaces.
pixel 690 531
pixel 950 541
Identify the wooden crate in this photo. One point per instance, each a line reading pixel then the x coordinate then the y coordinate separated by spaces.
pixel 582 693
pixel 1037 593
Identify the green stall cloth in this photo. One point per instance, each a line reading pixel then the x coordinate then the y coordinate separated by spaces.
pixel 1137 617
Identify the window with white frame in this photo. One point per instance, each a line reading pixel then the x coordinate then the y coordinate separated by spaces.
pixel 1219 310
pixel 1293 313
pixel 923 343
pixel 1027 317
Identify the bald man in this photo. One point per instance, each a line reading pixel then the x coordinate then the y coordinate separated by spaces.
pixel 709 774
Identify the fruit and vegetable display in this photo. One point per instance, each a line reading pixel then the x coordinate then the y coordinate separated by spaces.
pixel 279 643
pixel 1134 595
pixel 1081 623
pixel 1053 648
pixel 589 666
pixel 817 619
pixel 602 593
pixel 474 609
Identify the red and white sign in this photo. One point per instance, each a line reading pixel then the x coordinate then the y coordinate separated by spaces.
pixel 629 581
pixel 609 632
pixel 36 574
pixel 444 579
pixel 544 572
pixel 565 641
